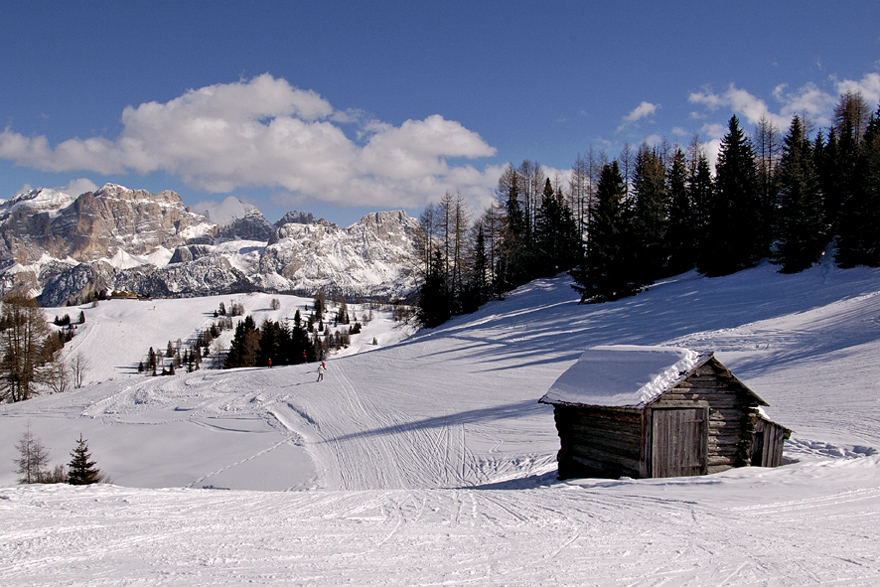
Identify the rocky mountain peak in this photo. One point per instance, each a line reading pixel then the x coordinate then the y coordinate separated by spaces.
pixel 35 201
pixel 117 238
pixel 295 217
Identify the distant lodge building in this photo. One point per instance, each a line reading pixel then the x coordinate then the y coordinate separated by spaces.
pixel 629 411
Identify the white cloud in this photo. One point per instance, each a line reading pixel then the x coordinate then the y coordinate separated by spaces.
pixel 809 100
pixel 713 131
pixel 740 102
pixel 653 140
pixel 869 86
pixel 76 187
pixel 267 133
pixel 641 111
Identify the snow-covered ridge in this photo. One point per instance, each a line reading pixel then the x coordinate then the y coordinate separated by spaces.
pixel 35 201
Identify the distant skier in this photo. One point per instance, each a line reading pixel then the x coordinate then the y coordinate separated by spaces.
pixel 321 368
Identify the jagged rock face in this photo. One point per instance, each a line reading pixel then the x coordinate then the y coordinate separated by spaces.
pixel 190 253
pixel 294 217
pixel 95 225
pixel 98 224
pixel 374 255
pixel 253 227
pixel 202 277
pixel 68 249
pixel 74 284
pixel 26 225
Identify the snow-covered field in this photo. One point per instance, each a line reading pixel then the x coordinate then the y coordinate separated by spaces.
pixel 428 460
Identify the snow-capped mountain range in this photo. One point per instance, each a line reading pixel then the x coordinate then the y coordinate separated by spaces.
pixel 65 249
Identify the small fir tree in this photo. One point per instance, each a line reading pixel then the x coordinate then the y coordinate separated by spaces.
pixel 81 469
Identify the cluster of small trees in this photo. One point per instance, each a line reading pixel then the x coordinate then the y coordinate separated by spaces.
pixel 179 354
pixel 64 321
pixel 235 309
pixel 272 343
pixel 619 225
pixel 303 340
pixel 33 463
pixel 530 232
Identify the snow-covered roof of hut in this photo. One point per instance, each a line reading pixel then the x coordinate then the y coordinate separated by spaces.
pixel 623 376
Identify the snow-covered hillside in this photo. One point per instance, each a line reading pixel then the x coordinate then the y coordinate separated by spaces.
pixel 430 461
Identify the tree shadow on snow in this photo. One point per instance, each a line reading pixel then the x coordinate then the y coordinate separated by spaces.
pixel 510 411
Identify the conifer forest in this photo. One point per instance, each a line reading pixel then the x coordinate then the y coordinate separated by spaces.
pixel 619 224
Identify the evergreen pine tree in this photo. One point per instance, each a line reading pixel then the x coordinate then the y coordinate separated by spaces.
pixel 825 158
pixel 435 306
pixel 81 470
pixel 477 290
pixel 152 362
pixel 859 238
pixel 245 342
pixel 859 235
pixel 734 239
pixel 512 257
pixel 681 231
pixel 608 270
pixel 802 229
pixel 700 190
pixel 557 240
pixel 767 151
pixel 272 339
pixel 650 211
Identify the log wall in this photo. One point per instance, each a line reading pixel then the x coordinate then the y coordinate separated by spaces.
pixel 730 407
pixel 599 442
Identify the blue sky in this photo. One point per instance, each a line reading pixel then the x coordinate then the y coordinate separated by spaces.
pixel 342 108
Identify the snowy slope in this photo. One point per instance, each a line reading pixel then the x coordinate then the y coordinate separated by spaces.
pixel 431 462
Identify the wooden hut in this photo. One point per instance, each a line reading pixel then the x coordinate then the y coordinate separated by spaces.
pixel 628 411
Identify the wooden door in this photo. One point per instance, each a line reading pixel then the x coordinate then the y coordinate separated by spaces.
pixel 680 442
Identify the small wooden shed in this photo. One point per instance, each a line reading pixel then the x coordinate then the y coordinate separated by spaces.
pixel 633 411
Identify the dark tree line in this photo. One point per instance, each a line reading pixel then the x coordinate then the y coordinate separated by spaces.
pixel 270 344
pixel 302 341
pixel 618 226
pixel 530 232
